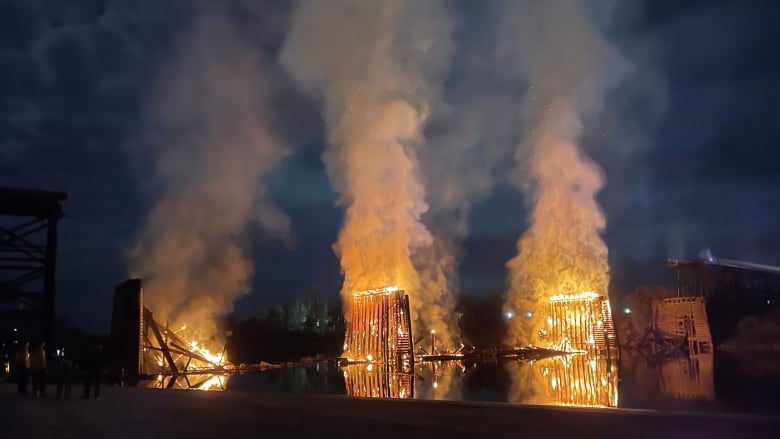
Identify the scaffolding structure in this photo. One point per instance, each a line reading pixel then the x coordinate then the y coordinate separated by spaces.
pixel 733 290
pixel 684 318
pixel 379 329
pixel 28 254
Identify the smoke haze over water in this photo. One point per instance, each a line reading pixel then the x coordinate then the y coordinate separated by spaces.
pixel 558 49
pixel 376 68
pixel 208 127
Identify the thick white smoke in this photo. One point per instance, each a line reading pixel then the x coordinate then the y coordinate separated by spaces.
pixel 557 47
pixel 375 67
pixel 469 143
pixel 208 127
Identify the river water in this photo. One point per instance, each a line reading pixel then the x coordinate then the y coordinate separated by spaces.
pixel 719 383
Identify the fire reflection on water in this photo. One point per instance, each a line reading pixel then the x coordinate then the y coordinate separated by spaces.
pixel 575 380
pixel 439 380
pixel 430 380
pixel 578 380
pixel 375 381
pixel 687 377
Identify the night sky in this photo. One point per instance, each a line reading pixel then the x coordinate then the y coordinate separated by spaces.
pixel 689 143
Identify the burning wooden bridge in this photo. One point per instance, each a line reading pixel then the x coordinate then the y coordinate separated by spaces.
pixel 379 329
pixel 378 359
pixel 144 349
pixel 581 322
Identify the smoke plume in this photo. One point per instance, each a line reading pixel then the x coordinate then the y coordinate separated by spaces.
pixel 557 47
pixel 375 67
pixel 209 135
pixel 469 140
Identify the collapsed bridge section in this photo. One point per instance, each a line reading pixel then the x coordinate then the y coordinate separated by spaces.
pixel 143 348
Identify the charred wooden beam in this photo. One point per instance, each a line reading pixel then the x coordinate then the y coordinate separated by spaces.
pixel 163 346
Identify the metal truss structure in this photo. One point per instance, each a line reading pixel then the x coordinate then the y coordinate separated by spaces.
pixel 28 253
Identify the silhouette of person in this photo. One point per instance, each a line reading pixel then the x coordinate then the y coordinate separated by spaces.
pixel 22 367
pixel 94 370
pixel 64 378
pixel 38 368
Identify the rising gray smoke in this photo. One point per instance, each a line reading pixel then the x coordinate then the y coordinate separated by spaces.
pixel 208 127
pixel 376 68
pixel 469 141
pixel 558 48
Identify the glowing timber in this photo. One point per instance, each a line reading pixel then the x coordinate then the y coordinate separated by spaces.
pixel 164 352
pixel 581 322
pixel 379 329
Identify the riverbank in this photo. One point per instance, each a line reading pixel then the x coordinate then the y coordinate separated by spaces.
pixel 148 413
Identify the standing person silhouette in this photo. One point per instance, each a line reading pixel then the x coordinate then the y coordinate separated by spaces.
pixel 64 377
pixel 22 367
pixel 38 368
pixel 94 369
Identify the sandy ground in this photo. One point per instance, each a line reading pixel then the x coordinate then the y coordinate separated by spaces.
pixel 146 413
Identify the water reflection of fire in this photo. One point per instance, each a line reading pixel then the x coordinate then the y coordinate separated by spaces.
pixel 687 377
pixel 579 323
pixel 432 380
pixel 580 380
pixel 439 380
pixel 375 381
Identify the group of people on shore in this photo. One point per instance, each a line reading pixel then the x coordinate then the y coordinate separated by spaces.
pixel 31 366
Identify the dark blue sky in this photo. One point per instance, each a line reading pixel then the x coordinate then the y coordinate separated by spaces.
pixel 689 143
